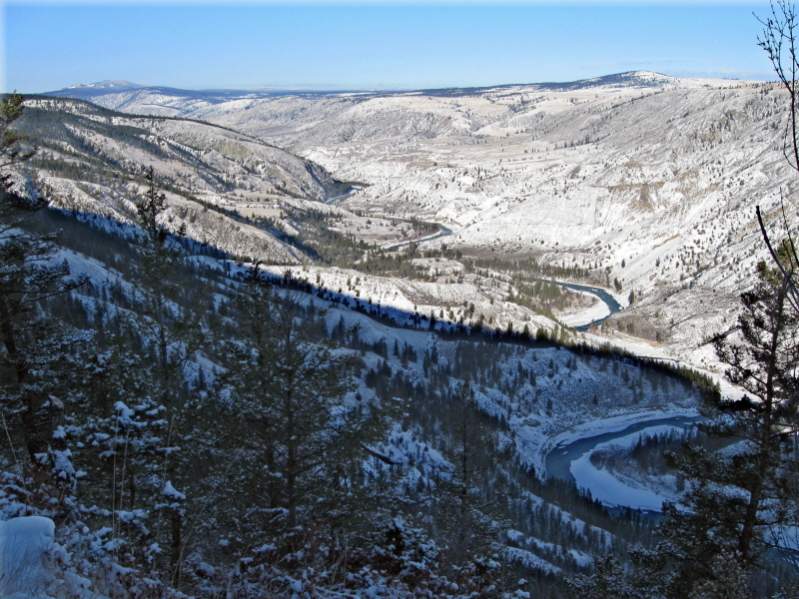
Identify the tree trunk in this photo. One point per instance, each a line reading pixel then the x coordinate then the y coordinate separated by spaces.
pixel 291 460
pixel 766 445
pixel 177 544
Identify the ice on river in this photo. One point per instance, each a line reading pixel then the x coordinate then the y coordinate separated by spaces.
pixel 607 488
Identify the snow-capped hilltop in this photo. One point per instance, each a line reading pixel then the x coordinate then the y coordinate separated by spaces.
pixel 650 75
pixel 97 90
pixel 625 79
pixel 107 84
pixel 634 78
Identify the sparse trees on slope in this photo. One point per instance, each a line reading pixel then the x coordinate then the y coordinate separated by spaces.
pixel 609 578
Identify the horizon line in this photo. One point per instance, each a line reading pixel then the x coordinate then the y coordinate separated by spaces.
pixel 337 88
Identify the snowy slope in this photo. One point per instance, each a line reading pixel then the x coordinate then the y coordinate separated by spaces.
pixel 639 176
pixel 92 161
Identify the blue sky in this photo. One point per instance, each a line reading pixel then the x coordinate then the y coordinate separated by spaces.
pixel 371 45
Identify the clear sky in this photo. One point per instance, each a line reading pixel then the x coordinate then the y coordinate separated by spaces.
pixel 251 45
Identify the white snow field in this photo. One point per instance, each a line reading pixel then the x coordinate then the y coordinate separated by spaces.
pixel 25 544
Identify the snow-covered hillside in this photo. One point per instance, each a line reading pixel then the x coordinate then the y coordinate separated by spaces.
pixel 92 161
pixel 245 198
pixel 640 177
pixel 412 264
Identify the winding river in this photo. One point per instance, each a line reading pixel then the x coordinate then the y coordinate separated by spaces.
pixel 603 296
pixel 444 231
pixel 559 460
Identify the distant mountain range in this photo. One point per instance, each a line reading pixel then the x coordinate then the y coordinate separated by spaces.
pixel 627 78
pixel 106 85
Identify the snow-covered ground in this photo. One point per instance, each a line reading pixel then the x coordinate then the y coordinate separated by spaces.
pixel 645 181
pixel 25 546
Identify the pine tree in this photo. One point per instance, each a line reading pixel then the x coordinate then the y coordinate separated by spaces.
pixel 11 148
pixel 468 534
pixel 295 428
pixel 764 365
pixel 156 261
pixel 170 332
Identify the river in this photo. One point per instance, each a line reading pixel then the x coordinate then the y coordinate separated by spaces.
pixel 559 460
pixel 351 189
pixel 443 231
pixel 598 292
pixel 572 462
